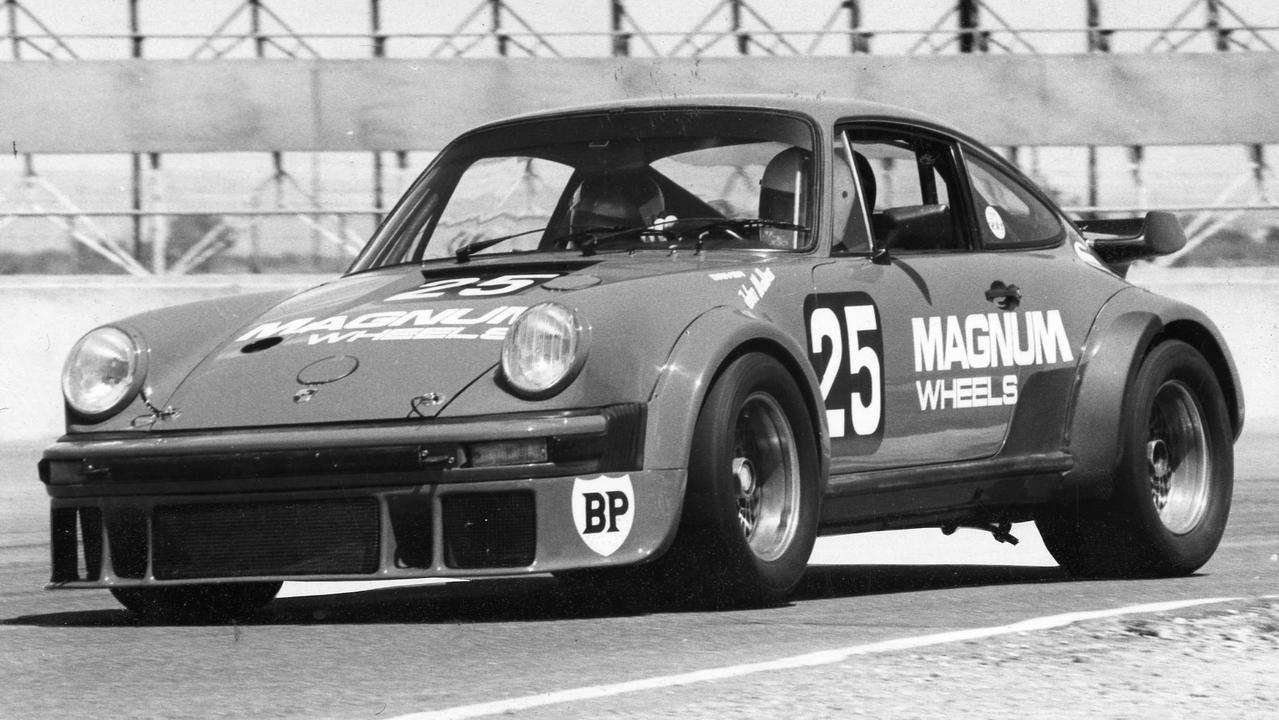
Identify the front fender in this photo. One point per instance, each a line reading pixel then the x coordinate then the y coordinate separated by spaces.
pixel 1125 330
pixel 175 340
pixel 702 351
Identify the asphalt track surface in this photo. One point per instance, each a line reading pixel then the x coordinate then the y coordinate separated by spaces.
pixel 323 651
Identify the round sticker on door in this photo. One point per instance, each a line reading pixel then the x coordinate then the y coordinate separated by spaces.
pixel 995 222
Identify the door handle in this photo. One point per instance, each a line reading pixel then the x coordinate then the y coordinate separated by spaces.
pixel 1005 297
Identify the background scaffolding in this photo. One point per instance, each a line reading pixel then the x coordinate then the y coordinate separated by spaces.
pixel 236 211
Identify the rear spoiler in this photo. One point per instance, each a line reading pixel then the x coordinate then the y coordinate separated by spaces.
pixel 1121 242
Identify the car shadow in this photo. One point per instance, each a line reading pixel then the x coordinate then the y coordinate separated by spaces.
pixel 545 599
pixel 842 581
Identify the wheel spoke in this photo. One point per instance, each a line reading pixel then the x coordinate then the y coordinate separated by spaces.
pixel 765 468
pixel 1177 460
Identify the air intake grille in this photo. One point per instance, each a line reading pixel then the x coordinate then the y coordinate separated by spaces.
pixel 285 538
pixel 489 530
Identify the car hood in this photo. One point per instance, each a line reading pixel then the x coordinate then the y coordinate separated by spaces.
pixel 391 344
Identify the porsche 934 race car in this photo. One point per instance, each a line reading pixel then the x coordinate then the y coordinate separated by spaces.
pixel 673 341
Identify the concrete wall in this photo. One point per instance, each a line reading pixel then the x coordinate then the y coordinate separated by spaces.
pixel 42 317
pixel 1244 303
pixel 355 105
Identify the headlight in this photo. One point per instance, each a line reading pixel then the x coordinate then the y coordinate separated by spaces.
pixel 103 373
pixel 543 351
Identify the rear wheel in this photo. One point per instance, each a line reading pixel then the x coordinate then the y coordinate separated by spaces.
pixel 1173 488
pixel 197 602
pixel 751 509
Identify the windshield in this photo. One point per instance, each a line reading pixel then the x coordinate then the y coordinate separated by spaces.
pixel 613 182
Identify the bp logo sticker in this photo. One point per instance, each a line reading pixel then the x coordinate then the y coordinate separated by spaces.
pixel 603 509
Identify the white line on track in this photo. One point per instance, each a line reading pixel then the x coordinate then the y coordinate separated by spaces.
pixel 825 657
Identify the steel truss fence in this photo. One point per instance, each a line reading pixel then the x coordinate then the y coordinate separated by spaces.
pixel 34 31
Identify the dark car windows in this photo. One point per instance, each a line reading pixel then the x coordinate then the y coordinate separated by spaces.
pixel 696 179
pixel 851 225
pixel 1008 214
pixel 908 183
pixel 498 196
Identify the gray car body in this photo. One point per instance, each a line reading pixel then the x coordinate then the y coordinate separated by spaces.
pixel 660 327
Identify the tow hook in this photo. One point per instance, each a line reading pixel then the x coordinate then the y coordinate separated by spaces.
pixel 145 422
pixel 1001 530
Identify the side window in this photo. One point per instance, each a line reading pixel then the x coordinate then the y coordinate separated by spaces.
pixel 908 183
pixel 1007 213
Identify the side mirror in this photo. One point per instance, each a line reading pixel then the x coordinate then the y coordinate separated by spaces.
pixel 1121 242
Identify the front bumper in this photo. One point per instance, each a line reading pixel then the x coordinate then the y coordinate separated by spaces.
pixel 402 500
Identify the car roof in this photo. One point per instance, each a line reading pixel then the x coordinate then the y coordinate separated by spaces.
pixel 825 110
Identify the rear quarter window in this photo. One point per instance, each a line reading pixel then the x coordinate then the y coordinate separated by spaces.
pixel 1008 214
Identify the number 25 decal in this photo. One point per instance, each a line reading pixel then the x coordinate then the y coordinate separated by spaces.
pixel 474 286
pixel 846 347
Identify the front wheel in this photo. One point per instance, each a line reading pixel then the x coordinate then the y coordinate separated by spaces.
pixel 1173 487
pixel 751 510
pixel 197 602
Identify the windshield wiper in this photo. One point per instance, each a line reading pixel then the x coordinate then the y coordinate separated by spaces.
pixel 701 227
pixel 714 223
pixel 595 234
pixel 463 254
pixel 671 229
pixel 588 238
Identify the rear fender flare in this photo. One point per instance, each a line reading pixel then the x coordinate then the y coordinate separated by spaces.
pixel 1123 333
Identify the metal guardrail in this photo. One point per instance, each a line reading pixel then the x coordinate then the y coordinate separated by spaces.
pixel 230 226
pixel 659 44
pixel 285 212
pixel 374 212
pixel 329 225
pixel 495 27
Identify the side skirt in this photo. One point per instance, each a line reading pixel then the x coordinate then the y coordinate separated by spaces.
pixel 933 495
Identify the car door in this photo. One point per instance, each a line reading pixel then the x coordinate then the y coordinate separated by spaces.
pixel 915 351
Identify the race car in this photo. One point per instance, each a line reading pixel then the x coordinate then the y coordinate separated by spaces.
pixel 667 342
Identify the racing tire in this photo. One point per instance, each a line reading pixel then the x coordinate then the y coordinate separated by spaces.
pixel 187 603
pixel 1172 489
pixel 752 505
